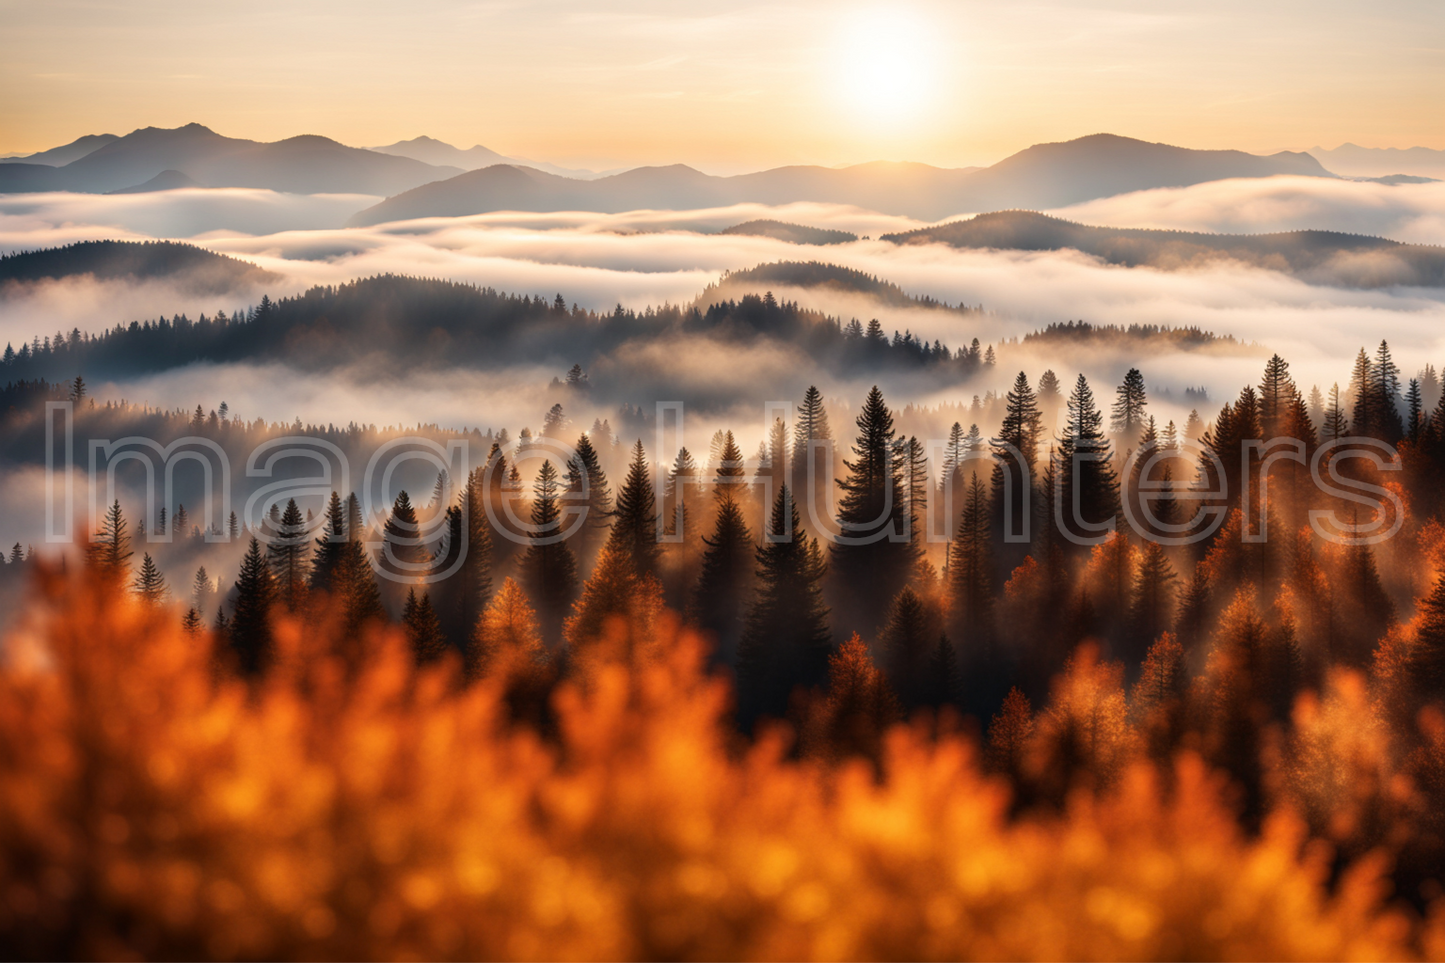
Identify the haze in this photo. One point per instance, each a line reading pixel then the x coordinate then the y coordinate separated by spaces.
pixel 729 87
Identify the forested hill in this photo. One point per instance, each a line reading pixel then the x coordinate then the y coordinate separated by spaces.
pixel 791 233
pixel 1320 256
pixel 408 324
pixel 194 268
pixel 820 275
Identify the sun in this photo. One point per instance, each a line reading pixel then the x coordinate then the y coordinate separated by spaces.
pixel 885 71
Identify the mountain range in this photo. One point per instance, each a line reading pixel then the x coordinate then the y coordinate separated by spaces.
pixel 438 153
pixel 1042 176
pixel 1352 160
pixel 300 165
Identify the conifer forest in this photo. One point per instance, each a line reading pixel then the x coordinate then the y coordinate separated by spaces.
pixel 801 481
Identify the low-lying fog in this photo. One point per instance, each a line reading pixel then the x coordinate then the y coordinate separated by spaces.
pixel 645 258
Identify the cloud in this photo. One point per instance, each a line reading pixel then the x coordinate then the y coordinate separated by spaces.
pixel 645 258
pixel 1414 213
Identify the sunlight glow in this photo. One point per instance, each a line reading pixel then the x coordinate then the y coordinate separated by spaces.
pixel 886 67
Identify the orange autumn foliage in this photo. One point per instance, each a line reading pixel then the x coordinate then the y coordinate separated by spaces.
pixel 151 807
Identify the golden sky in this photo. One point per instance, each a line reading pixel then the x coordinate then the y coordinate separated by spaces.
pixel 729 87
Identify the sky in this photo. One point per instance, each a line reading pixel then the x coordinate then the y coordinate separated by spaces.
pixel 735 86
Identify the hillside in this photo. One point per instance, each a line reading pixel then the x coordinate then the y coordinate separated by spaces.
pixel 1320 256
pixel 189 266
pixel 818 275
pixel 297 165
pixel 1045 175
pixel 791 233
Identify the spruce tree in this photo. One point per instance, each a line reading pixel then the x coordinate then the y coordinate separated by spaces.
pixel 549 569
pixel 786 639
pixel 191 623
pixel 330 546
pixel 634 527
pixel 1015 453
pixel 423 628
pixel 286 554
pixel 201 590
pixel 723 588
pixel 812 426
pixel 970 579
pixel 1153 597
pixel 587 487
pixel 871 558
pixel 1427 655
pixel 150 584
pixel 403 551
pixel 1129 404
pixel 109 550
pixel 476 569
pixel 250 628
pixel 1087 481
pixel 907 642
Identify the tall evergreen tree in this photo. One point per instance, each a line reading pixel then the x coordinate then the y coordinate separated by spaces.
pixel 423 628
pixel 286 554
pixel 250 628
pixel 109 549
pixel 1015 453
pixel 1336 425
pixel 970 579
pixel 549 569
pixel 1087 481
pixel 908 642
pixel 330 546
pixel 786 639
pixel 812 426
pixel 150 584
pixel 202 590
pixel 1153 596
pixel 1129 405
pixel 634 527
pixel 402 550
pixel 872 558
pixel 723 588
pixel 587 487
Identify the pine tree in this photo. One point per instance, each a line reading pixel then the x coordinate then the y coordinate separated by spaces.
pixel 1015 453
pixel 150 584
pixel 1129 405
pixel 1335 424
pixel 202 590
pixel 1276 392
pixel 1150 610
pixel 720 601
pixel 942 682
pixel 286 554
pixel 970 578
pixel 403 551
pixel 634 527
pixel 1365 414
pixel 330 546
pixel 77 388
pixel 870 562
pixel 476 569
pixel 1426 661
pixel 615 589
pixel 1087 482
pixel 505 632
pixel 1415 412
pixel 786 638
pixel 1385 383
pixel 858 710
pixel 250 628
pixel 811 427
pixel 191 623
pixel 907 642
pixel 772 472
pixel 109 549
pixel 549 569
pixel 423 628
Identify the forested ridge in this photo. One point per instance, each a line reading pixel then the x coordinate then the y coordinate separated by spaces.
pixel 1254 687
